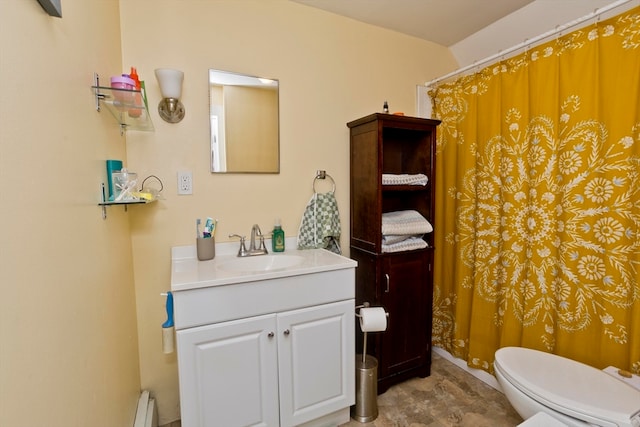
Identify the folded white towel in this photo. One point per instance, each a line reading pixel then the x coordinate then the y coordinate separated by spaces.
pixel 404 179
pixel 409 244
pixel 408 222
pixel 390 239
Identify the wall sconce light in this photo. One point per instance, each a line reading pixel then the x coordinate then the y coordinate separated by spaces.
pixel 170 108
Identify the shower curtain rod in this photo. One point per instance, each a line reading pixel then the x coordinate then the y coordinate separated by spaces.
pixel 529 42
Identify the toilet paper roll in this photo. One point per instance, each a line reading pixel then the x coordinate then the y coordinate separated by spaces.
pixel 167 340
pixel 373 319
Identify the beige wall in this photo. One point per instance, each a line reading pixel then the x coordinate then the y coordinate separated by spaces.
pixel 68 337
pixel 331 70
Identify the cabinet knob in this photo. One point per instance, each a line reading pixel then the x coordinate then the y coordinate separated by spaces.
pixel 287 332
pixel 270 334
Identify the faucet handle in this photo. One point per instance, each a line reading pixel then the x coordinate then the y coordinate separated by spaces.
pixel 243 249
pixel 262 245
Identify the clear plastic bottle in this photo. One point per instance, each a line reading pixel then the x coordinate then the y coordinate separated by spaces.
pixel 277 239
pixel 135 112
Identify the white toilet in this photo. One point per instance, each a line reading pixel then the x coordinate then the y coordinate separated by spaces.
pixel 571 392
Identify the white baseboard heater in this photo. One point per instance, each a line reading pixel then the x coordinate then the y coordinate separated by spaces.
pixel 146 414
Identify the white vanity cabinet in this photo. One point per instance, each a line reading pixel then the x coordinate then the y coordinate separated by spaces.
pixel 278 351
pixel 280 369
pixel 316 361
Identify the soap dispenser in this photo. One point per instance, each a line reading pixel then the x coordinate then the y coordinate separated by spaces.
pixel 277 239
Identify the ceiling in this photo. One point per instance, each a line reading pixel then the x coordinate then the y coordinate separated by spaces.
pixel 445 22
pixel 448 22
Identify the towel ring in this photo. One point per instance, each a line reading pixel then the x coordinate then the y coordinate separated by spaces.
pixel 322 175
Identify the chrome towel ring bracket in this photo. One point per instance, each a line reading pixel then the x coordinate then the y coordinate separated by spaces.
pixel 320 174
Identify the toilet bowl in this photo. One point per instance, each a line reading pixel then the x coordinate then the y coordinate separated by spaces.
pixel 571 392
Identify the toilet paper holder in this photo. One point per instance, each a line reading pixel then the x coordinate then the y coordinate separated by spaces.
pixel 364 344
pixel 364 305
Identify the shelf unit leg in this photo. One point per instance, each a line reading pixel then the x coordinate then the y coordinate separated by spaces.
pixel 104 199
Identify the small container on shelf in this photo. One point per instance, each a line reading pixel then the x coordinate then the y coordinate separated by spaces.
pixel 122 96
pixel 134 112
pixel 124 184
pixel 122 82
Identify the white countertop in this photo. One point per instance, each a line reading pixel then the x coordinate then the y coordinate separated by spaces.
pixel 189 273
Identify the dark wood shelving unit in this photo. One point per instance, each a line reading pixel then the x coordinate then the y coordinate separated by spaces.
pixel 401 282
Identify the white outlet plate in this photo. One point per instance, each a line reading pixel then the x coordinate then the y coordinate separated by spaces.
pixel 185 182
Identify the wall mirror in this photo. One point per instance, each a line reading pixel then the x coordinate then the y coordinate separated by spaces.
pixel 244 120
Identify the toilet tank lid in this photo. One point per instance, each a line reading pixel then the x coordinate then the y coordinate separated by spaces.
pixel 568 386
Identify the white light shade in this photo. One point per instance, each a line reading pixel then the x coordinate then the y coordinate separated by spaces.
pixel 170 82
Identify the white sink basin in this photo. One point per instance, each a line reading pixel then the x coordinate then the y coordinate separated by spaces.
pixel 261 263
pixel 228 269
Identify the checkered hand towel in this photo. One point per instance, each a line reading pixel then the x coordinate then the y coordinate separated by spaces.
pixel 320 225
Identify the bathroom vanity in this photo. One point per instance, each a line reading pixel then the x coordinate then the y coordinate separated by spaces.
pixel 265 340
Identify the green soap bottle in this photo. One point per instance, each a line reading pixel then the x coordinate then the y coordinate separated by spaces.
pixel 277 239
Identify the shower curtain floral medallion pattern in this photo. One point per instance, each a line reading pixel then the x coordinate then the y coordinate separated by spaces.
pixel 539 159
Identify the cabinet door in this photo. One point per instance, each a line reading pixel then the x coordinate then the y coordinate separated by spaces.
pixel 316 360
pixel 228 374
pixel 405 294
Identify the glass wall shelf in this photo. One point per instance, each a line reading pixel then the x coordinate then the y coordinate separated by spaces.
pixel 128 107
pixel 104 202
pixel 126 202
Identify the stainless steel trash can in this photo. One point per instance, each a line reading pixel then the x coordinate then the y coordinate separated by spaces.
pixel 366 407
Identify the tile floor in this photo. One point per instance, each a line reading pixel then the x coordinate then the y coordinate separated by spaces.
pixel 449 397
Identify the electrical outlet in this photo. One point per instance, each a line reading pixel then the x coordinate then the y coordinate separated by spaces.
pixel 185 182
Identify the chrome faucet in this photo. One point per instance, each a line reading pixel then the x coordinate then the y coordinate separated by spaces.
pixel 252 251
pixel 262 249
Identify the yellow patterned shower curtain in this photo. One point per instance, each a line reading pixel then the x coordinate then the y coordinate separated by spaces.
pixel 538 202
